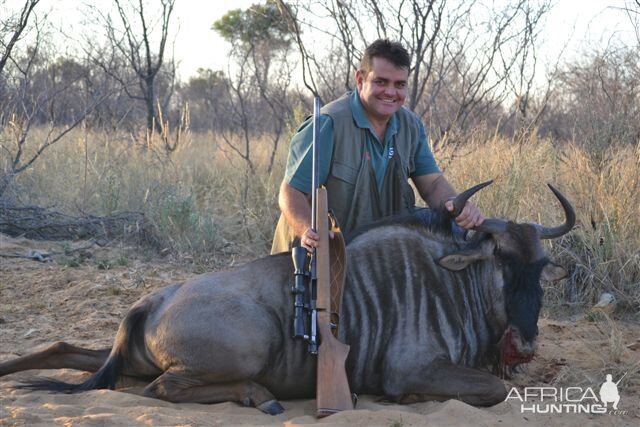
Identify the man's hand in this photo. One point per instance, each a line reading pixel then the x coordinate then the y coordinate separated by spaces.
pixel 470 216
pixel 310 239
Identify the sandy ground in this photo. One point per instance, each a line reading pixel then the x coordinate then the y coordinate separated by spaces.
pixel 41 303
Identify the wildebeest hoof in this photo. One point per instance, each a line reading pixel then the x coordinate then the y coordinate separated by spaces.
pixel 271 407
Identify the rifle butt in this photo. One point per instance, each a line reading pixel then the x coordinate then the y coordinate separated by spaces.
pixel 332 387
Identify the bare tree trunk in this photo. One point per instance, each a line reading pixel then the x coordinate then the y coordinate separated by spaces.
pixel 28 107
pixel 150 101
pixel 133 45
pixel 14 26
pixel 464 54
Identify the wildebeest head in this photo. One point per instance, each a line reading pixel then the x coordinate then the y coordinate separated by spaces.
pixel 517 251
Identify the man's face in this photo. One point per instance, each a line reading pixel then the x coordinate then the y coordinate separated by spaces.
pixel 383 90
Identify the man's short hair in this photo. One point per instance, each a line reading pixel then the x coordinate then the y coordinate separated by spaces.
pixel 393 52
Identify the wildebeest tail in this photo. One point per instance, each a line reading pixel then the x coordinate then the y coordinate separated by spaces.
pixel 130 329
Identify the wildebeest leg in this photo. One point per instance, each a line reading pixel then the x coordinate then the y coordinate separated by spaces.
pixel 444 380
pixel 57 356
pixel 179 389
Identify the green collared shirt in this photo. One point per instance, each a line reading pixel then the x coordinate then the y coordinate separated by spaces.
pixel 299 161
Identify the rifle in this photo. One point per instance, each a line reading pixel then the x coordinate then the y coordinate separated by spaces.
pixel 625 374
pixel 332 388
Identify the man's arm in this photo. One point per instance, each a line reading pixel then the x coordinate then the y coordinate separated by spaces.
pixel 296 208
pixel 437 192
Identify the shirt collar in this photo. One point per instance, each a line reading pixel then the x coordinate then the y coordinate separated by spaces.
pixel 361 120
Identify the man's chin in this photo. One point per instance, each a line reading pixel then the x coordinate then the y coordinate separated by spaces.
pixel 387 111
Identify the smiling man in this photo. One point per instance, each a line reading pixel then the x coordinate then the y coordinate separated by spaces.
pixel 370 146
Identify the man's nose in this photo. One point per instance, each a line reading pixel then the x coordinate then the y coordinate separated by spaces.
pixel 389 90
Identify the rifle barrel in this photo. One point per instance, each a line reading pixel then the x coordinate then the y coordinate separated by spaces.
pixel 625 374
pixel 313 282
pixel 315 167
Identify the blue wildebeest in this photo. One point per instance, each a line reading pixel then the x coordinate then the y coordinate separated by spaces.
pixel 417 330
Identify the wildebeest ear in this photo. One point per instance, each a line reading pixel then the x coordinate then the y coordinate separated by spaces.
pixel 460 260
pixel 552 272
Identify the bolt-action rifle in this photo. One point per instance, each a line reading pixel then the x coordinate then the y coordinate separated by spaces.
pixel 313 302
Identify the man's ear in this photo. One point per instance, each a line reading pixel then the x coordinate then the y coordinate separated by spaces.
pixel 553 272
pixel 360 77
pixel 460 260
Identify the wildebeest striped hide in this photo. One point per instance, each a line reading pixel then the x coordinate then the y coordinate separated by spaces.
pixel 426 315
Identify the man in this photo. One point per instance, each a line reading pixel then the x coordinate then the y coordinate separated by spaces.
pixel 369 147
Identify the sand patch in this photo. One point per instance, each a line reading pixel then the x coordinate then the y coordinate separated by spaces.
pixel 41 303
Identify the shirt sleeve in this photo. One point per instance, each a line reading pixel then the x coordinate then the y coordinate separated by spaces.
pixel 300 159
pixel 425 162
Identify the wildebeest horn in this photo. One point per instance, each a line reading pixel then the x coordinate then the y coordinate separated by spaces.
pixel 492 226
pixel 570 221
pixel 461 199
pixel 489 225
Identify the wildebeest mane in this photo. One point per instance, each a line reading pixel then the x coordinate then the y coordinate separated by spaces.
pixel 435 221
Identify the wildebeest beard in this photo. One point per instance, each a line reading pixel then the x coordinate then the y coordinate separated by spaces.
pixel 523 295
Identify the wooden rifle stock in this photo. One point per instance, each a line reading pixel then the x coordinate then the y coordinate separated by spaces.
pixel 332 387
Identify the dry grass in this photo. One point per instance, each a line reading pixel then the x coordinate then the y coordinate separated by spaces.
pixel 195 197
pixel 603 251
